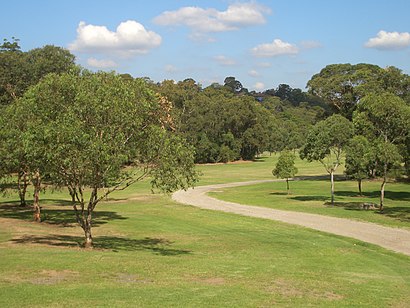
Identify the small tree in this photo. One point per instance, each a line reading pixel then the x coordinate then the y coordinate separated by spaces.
pixel 285 167
pixel 359 157
pixel 326 142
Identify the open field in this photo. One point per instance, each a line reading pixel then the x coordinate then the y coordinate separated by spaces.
pixel 153 252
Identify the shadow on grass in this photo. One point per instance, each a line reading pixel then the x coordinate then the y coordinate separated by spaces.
pixel 310 198
pixel 325 177
pixel 399 213
pixel 156 245
pixel 61 216
pixel 351 206
pixel 279 193
pixel 393 195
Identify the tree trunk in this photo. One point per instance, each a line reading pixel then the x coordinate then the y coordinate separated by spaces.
pixel 359 182
pixel 22 184
pixel 71 191
pixel 36 203
pixel 382 188
pixel 332 187
pixel 287 185
pixel 88 243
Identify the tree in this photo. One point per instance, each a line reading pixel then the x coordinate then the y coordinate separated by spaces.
pixel 326 143
pixel 95 125
pixel 385 120
pixel 359 157
pixel 344 85
pixel 234 85
pixel 387 159
pixel 20 70
pixel 285 167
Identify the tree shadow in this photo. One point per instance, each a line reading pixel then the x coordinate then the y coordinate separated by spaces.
pixel 156 245
pixel 355 194
pixel 399 213
pixel 393 195
pixel 258 159
pixel 279 193
pixel 310 198
pixel 61 216
pixel 323 177
pixel 351 206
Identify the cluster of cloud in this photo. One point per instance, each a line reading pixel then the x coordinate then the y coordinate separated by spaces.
pixel 389 40
pixel 130 38
pixel 201 20
pixel 276 48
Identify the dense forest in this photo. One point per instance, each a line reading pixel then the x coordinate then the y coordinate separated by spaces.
pixel 70 127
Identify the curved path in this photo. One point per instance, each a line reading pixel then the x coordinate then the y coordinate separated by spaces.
pixel 391 238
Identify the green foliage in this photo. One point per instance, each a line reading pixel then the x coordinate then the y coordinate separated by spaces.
pixel 221 125
pixel 359 158
pixel 344 85
pixel 328 137
pixel 20 70
pixel 85 129
pixel 384 116
pixel 285 167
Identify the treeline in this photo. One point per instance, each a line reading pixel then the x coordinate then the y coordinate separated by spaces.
pixel 226 122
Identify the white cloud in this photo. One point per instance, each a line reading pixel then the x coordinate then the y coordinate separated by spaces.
pixel 225 61
pixel 259 86
pixel 101 63
pixel 130 38
pixel 389 40
pixel 276 48
pixel 253 73
pixel 210 20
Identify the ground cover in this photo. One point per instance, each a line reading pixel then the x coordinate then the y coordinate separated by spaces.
pixel 153 252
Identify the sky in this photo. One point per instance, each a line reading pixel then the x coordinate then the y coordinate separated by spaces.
pixel 260 43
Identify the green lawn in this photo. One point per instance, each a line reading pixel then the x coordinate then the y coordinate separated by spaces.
pixel 153 252
pixel 314 197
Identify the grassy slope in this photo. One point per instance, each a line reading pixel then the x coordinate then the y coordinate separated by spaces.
pixel 152 252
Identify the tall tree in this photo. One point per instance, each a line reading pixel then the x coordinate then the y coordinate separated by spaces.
pixel 19 70
pixel 344 85
pixel 326 143
pixel 384 119
pixel 285 167
pixel 94 125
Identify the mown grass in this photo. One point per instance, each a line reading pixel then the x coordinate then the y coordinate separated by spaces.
pixel 153 252
pixel 313 196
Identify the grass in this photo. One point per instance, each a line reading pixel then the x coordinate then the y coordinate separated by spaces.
pixel 153 252
pixel 314 197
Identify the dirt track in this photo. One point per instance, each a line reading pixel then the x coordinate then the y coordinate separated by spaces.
pixel 394 239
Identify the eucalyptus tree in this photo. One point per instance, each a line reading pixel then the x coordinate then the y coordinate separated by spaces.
pixel 19 70
pixel 360 159
pixel 101 134
pixel 326 143
pixel 342 86
pixel 385 120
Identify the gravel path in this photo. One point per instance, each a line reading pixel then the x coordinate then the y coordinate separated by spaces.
pixel 391 238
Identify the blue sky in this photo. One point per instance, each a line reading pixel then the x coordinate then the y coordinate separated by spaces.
pixel 261 43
